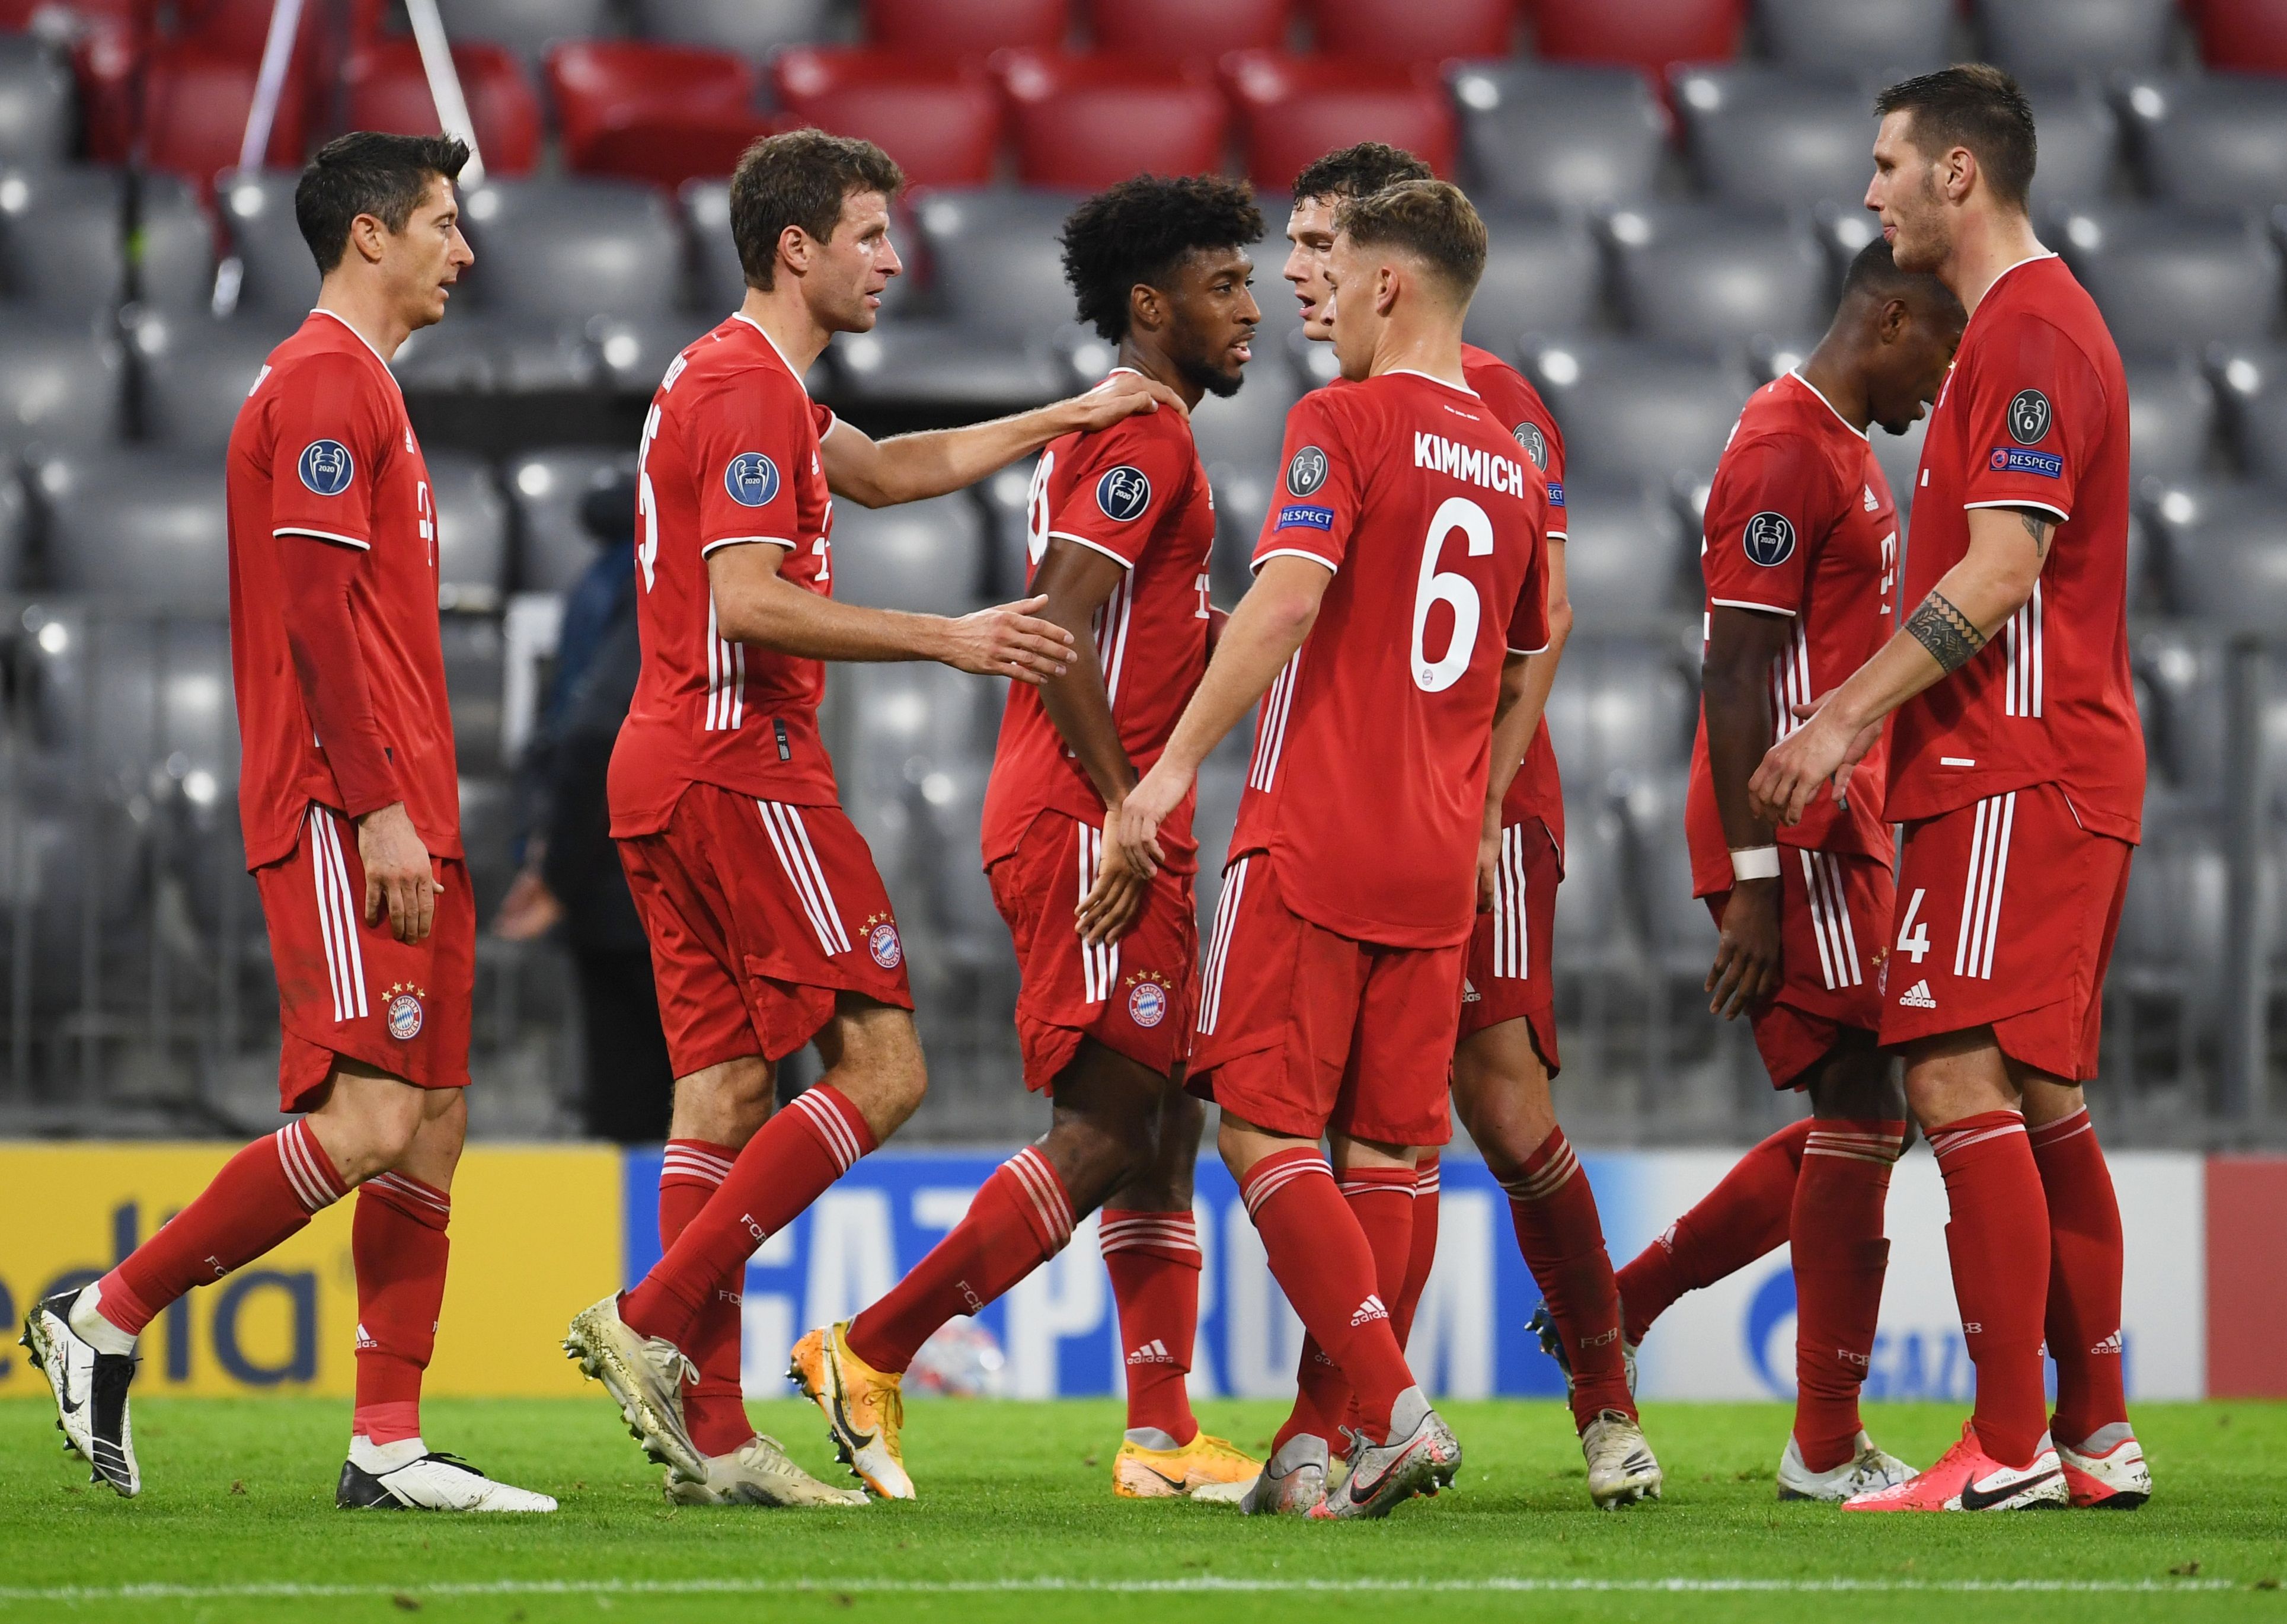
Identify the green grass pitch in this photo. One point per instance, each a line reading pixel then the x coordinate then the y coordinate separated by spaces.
pixel 1017 1523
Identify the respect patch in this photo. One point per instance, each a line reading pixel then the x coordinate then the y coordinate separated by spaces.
pixel 2013 459
pixel 1295 517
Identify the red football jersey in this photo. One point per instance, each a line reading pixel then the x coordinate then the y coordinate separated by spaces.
pixel 729 458
pixel 1135 491
pixel 1800 523
pixel 1536 790
pixel 323 456
pixel 2034 414
pixel 1366 786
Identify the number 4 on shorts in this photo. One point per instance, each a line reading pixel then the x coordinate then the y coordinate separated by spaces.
pixel 1914 938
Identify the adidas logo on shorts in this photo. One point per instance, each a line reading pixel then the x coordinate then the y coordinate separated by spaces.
pixel 1918 997
pixel 1153 1352
pixel 1371 1309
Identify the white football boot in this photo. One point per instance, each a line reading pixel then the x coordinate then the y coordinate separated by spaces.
pixel 89 1387
pixel 409 1477
pixel 644 1374
pixel 1420 1456
pixel 1292 1482
pixel 1621 1467
pixel 758 1473
pixel 2107 1469
pixel 1865 1472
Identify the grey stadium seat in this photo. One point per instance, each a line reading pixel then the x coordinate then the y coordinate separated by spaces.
pixel 926 556
pixel 1621 704
pixel 1242 501
pixel 2072 37
pixel 1676 924
pixel 2174 921
pixel 993 258
pixel 1849 36
pixel 635 353
pixel 1592 932
pixel 526 25
pixel 1770 137
pixel 2226 552
pixel 15 526
pixel 751 28
pixel 2254 386
pixel 2079 146
pixel 146 528
pixel 2166 277
pixel 1627 554
pixel 1711 273
pixel 932 361
pixel 1245 432
pixel 175 245
pixel 196 373
pixel 1573 137
pixel 573 249
pixel 1638 410
pixel 63 233
pixel 1004 496
pixel 920 737
pixel 2218 140
pixel 471 532
pixel 476 669
pixel 60 384
pixel 38 121
pixel 2187 673
pixel 134 692
pixel 277 275
pixel 545 489
pixel 1542 275
pixel 2171 417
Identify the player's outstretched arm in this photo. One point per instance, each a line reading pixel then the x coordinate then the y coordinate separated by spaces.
pixel 1734 686
pixel 753 604
pixel 1268 625
pixel 1972 600
pixel 908 467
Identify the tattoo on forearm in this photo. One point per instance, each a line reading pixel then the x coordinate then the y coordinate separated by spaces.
pixel 1949 635
pixel 2037 528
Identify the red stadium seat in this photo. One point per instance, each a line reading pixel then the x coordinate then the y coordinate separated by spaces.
pixel 1651 35
pixel 668 146
pixel 596 82
pixel 965 27
pixel 1295 109
pixel 1082 122
pixel 2249 35
pixel 194 108
pixel 389 90
pixel 1187 30
pixel 1409 31
pixel 938 117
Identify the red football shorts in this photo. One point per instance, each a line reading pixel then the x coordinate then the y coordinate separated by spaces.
pixel 1304 1031
pixel 2007 908
pixel 1508 976
pixel 1134 995
pixel 1834 917
pixel 758 914
pixel 348 989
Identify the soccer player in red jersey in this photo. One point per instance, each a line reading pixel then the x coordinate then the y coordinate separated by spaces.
pixel 1506 1053
pixel 1400 584
pixel 1800 554
pixel 769 928
pixel 350 803
pixel 1121 526
pixel 2017 767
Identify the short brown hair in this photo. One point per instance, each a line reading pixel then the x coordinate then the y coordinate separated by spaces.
pixel 368 172
pixel 803 178
pixel 1976 105
pixel 1431 220
pixel 1355 171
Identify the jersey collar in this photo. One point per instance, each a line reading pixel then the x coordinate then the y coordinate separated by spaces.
pixel 1409 371
pixel 740 315
pixel 320 311
pixel 1797 375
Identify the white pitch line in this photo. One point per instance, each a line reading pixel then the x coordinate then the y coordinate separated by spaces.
pixel 1205 1583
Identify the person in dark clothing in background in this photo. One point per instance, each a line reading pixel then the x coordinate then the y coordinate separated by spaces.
pixel 572 873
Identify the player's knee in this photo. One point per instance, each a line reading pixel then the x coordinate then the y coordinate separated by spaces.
pixel 878 1064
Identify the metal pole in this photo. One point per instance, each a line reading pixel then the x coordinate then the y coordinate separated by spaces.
pixel 2246 953
pixel 270 83
pixel 445 83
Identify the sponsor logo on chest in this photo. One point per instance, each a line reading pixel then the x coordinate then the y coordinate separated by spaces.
pixel 1471 464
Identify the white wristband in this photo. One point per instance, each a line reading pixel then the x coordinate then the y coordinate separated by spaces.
pixel 1756 862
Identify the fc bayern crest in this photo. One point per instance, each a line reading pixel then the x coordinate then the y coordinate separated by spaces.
pixel 881 941
pixel 327 467
pixel 1535 444
pixel 1123 493
pixel 751 478
pixel 1147 1004
pixel 405 1017
pixel 1306 470
pixel 2028 417
pixel 1769 539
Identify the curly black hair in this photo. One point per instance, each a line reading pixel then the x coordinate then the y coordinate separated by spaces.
pixel 1358 171
pixel 1137 231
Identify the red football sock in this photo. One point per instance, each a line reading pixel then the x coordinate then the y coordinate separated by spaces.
pixel 1563 1240
pixel 1382 1199
pixel 399 1247
pixel 264 1194
pixel 2084 1265
pixel 1839 1257
pixel 714 1407
pixel 1155 1262
pixel 1740 1220
pixel 786 1166
pixel 1019 1219
pixel 1320 1258
pixel 1424 1249
pixel 1997 1237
